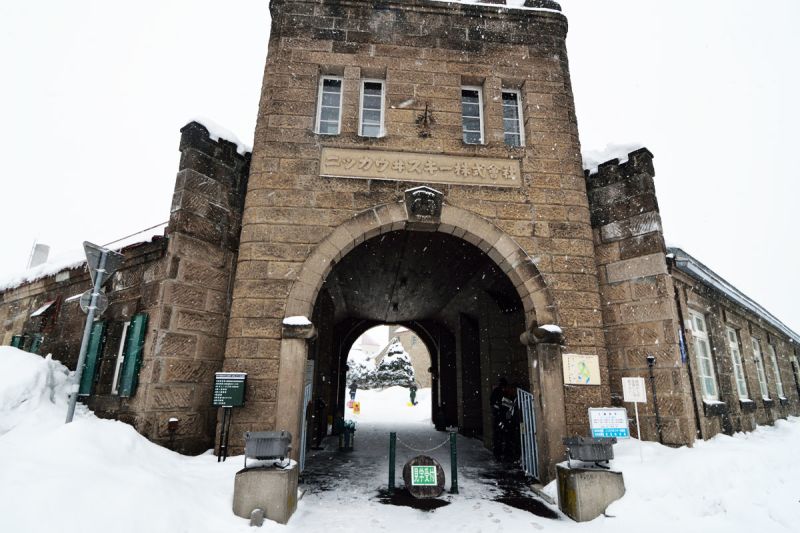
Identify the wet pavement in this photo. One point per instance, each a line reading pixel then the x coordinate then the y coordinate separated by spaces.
pixel 364 471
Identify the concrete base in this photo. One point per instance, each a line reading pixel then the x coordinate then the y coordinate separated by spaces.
pixel 274 490
pixel 585 493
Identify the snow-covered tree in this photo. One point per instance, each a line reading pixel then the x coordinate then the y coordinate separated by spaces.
pixel 395 368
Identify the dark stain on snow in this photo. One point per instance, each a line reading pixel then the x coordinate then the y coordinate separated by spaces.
pixel 403 498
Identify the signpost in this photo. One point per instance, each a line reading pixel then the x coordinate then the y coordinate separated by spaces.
pixel 609 422
pixel 102 264
pixel 424 477
pixel 633 390
pixel 229 389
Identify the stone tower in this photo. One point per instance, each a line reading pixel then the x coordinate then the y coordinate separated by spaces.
pixel 416 162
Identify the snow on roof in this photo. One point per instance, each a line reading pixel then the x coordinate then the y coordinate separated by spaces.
pixel 594 158
pixel 76 258
pixel 217 132
pixel 510 4
pixel 697 270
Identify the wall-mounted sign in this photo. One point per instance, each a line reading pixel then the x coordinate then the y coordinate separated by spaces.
pixel 229 389
pixel 581 369
pixel 609 422
pixel 420 167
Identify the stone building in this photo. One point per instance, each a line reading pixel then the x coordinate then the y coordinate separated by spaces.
pixel 417 163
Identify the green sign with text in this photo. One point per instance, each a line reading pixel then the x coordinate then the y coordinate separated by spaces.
pixel 229 389
pixel 423 475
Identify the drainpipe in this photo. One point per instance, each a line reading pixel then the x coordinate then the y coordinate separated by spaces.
pixel 651 362
pixel 682 332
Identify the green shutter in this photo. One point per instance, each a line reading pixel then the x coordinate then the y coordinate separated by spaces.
pixel 36 342
pixel 16 341
pixel 93 351
pixel 134 345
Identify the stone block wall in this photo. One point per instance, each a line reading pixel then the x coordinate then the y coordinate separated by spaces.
pixel 183 283
pixel 733 414
pixel 425 51
pixel 638 303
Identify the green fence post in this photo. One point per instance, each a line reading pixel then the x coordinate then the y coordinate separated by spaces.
pixel 392 447
pixel 453 464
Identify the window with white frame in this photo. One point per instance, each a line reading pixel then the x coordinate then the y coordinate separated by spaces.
pixel 513 133
pixel 371 116
pixel 329 105
pixel 762 374
pixel 778 381
pixel 736 359
pixel 472 115
pixel 702 351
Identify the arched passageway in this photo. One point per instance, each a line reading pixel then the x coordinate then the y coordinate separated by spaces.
pixel 459 302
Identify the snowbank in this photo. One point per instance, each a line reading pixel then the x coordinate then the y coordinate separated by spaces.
pixel 95 475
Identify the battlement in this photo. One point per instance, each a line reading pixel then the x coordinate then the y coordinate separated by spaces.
pixel 639 163
pixel 195 135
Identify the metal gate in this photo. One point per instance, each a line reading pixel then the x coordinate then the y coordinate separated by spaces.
pixel 307 395
pixel 527 434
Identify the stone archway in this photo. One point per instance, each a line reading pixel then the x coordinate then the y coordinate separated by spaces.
pixel 500 248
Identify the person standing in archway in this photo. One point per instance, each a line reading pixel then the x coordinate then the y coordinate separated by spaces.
pixel 353 389
pixel 498 416
pixel 412 392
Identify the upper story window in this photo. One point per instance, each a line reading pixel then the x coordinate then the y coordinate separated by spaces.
pixel 472 115
pixel 513 133
pixel 778 381
pixel 372 103
pixel 329 106
pixel 702 350
pixel 736 359
pixel 762 375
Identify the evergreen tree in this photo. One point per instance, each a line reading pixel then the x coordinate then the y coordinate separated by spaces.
pixel 395 368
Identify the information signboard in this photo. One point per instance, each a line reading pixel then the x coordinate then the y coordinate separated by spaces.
pixel 581 369
pixel 423 475
pixel 609 422
pixel 229 389
pixel 633 390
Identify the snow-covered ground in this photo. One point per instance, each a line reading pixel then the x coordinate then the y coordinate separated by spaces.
pixel 96 476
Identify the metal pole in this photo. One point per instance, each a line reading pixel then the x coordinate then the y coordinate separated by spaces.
pixel 392 448
pixel 638 430
pixel 87 331
pixel 651 362
pixel 453 464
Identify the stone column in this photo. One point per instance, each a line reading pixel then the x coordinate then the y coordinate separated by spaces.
pixel 547 382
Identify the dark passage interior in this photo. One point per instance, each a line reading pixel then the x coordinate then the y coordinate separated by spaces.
pixel 451 294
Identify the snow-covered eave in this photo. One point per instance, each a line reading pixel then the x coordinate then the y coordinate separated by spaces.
pixel 510 4
pixel 71 261
pixel 700 272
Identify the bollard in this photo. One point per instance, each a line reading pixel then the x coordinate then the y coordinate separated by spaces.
pixel 453 464
pixel 392 447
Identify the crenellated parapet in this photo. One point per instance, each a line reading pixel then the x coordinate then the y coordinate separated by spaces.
pixel 619 191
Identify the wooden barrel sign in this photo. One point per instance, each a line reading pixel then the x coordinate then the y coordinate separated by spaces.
pixel 424 477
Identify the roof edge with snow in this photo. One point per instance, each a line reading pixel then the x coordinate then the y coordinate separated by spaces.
pixel 695 269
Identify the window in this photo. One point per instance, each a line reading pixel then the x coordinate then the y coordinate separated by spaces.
pixel 329 106
pixel 120 359
pixel 762 375
pixel 132 359
pixel 472 115
pixel 371 108
pixel 702 351
pixel 736 359
pixel 513 133
pixel 778 380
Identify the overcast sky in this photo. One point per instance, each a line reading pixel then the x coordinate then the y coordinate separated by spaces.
pixel 94 93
